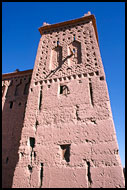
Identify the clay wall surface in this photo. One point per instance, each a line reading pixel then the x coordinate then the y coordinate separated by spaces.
pixel 68 137
pixel 15 87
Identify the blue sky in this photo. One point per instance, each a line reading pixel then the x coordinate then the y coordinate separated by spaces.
pixel 20 38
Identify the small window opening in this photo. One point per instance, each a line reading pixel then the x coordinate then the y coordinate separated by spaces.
pixel 30 168
pixel 61 89
pixel 32 142
pixel 73 50
pixel 97 72
pixel 41 175
pixel 11 105
pixel 66 152
pixel 64 89
pixel 7 160
pixel 57 42
pixel 102 78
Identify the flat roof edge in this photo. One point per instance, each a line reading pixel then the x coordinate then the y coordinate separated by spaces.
pixel 16 73
pixel 57 25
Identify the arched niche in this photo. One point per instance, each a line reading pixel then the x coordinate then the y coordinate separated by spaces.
pixel 56 58
pixel 74 53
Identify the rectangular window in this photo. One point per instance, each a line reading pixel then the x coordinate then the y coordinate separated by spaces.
pixel 11 105
pixel 61 89
pixel 65 152
pixel 32 142
pixel 64 89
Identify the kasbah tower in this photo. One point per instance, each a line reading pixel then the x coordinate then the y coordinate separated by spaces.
pixel 58 129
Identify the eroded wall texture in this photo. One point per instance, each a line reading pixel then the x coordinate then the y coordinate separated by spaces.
pixel 68 137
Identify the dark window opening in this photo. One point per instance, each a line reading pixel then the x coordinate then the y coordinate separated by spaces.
pixel 89 174
pixel 40 100
pixel 64 90
pixel 102 78
pixel 41 175
pixel 66 152
pixel 91 93
pixel 57 42
pixel 7 160
pixel 32 142
pixel 11 105
pixel 30 168
pixel 73 50
pixel 19 103
pixel 61 89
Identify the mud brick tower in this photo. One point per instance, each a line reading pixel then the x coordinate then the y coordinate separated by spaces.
pixel 68 137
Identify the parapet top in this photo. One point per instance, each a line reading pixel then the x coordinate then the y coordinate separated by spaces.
pixel 87 17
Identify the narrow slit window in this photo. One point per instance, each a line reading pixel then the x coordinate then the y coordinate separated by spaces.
pixel 41 175
pixel 57 42
pixel 40 100
pixel 65 152
pixel 91 93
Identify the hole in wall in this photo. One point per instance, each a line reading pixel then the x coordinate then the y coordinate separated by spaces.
pixel 19 103
pixel 11 104
pixel 32 142
pixel 102 78
pixel 7 160
pixel 91 93
pixel 64 89
pixel 40 99
pixel 41 174
pixel 65 152
pixel 97 72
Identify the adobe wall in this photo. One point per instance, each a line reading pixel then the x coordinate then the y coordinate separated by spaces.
pixel 68 137
pixel 15 87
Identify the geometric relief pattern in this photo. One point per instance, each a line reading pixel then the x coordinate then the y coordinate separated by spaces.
pixel 71 55
pixel 74 50
pixel 56 58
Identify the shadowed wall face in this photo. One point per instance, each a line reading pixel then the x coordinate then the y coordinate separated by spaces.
pixel 14 97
